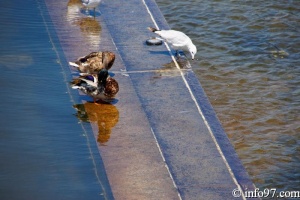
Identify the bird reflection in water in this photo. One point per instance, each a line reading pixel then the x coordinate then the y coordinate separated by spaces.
pixel 170 69
pixel 91 30
pixel 90 27
pixel 102 116
pixel 73 10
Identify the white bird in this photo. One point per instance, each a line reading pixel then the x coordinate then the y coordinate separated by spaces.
pixel 177 39
pixel 91 4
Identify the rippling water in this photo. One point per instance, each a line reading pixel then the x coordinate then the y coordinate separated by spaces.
pixel 248 62
pixel 45 152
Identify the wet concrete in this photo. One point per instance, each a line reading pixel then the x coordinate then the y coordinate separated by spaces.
pixel 167 142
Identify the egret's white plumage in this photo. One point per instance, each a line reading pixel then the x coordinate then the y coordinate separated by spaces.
pixel 91 4
pixel 177 39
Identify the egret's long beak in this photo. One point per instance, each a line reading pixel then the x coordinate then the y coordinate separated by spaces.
pixel 192 55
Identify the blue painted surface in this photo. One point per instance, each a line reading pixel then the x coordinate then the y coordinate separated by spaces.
pixel 44 152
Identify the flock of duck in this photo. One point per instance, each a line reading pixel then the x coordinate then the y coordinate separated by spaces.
pixel 94 79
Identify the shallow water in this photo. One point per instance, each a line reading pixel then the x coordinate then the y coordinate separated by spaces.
pixel 248 63
pixel 45 152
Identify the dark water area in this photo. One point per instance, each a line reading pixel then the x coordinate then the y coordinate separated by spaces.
pixel 45 153
pixel 248 64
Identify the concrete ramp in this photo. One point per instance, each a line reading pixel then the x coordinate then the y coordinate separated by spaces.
pixel 167 142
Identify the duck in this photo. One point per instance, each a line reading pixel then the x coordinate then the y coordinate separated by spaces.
pixel 94 62
pixel 177 39
pixel 99 86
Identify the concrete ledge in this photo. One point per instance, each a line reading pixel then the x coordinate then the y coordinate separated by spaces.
pixel 168 142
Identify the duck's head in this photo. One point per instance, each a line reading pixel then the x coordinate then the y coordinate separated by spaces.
pixel 192 50
pixel 108 59
pixel 102 76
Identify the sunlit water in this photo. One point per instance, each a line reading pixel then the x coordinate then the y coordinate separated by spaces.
pixel 248 62
pixel 45 152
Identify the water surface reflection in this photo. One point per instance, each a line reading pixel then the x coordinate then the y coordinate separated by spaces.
pixel 89 26
pixel 102 116
pixel 248 63
pixel 16 61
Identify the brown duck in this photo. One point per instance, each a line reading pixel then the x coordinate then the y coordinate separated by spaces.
pixel 99 86
pixel 94 62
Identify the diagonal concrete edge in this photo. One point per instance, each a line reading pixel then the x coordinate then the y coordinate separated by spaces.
pixel 168 142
